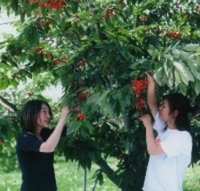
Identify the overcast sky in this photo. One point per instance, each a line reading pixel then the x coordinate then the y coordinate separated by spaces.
pixel 5 24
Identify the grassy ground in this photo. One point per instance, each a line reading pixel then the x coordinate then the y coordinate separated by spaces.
pixel 70 178
pixel 192 178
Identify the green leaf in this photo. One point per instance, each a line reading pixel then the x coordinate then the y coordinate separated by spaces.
pixel 106 109
pixel 93 98
pixel 159 76
pixel 194 68
pixel 91 156
pixel 153 52
pixel 122 51
pixel 176 53
pixel 197 87
pixel 117 107
pixel 14 4
pixel 88 125
pixel 126 100
pixel 191 47
pixel 140 62
pixel 137 49
pixel 183 88
pixel 170 77
pixel 102 96
pixel 168 56
pixel 185 74
pixel 73 127
pixel 177 78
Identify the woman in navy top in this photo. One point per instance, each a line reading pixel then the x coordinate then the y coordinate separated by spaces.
pixel 36 145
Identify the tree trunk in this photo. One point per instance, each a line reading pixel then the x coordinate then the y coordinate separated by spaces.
pixel 108 171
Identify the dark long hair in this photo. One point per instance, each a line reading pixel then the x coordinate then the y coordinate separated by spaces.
pixel 29 115
pixel 181 103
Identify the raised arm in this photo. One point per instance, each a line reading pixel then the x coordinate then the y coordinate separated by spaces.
pixel 151 94
pixel 52 141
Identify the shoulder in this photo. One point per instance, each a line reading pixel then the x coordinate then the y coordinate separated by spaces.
pixel 25 137
pixel 181 137
pixel 185 135
pixel 28 142
pixel 182 133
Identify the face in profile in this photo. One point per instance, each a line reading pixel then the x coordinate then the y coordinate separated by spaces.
pixel 44 117
pixel 166 114
pixel 164 110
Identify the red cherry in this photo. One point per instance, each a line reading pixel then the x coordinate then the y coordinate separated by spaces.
pixel 81 116
pixel 81 63
pixel 57 61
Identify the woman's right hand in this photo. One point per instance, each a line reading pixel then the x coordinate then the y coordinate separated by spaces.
pixel 65 111
pixel 150 78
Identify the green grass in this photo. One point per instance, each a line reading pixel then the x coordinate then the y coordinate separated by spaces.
pixel 70 178
pixel 192 178
pixel 10 181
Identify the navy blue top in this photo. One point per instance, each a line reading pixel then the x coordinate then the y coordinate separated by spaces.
pixel 36 167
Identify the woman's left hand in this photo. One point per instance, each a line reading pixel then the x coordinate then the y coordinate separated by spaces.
pixel 146 120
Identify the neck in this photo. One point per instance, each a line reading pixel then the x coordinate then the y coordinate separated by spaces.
pixel 37 133
pixel 171 125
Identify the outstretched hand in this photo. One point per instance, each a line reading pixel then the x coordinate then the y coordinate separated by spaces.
pixel 65 110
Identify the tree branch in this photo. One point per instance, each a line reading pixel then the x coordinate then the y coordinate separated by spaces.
pixel 8 105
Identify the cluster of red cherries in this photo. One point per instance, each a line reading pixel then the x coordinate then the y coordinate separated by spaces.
pixel 138 85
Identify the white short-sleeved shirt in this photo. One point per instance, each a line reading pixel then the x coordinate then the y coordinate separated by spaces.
pixel 165 172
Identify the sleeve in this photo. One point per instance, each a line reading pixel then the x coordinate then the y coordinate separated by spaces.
pixel 177 143
pixel 28 142
pixel 159 124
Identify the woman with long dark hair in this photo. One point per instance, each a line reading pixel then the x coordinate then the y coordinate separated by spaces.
pixel 170 151
pixel 36 145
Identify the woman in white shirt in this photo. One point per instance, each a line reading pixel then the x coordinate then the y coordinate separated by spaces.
pixel 170 151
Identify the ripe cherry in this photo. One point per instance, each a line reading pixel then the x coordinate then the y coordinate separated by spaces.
pixel 81 116
pixel 81 63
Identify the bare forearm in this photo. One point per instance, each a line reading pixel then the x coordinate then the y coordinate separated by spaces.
pixel 151 98
pixel 151 94
pixel 52 141
pixel 150 140
pixel 153 147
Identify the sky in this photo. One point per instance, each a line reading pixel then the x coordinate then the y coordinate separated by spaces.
pixel 5 24
pixel 6 27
